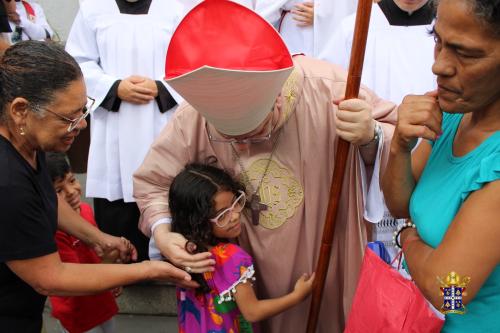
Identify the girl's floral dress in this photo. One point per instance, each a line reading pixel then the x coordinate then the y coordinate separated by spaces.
pixel 217 312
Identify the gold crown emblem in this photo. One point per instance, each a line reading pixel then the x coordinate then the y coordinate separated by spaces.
pixel 453 279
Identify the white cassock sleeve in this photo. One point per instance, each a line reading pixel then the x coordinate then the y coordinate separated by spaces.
pixel 374 198
pixel 338 48
pixel 82 45
pixel 270 10
pixel 328 16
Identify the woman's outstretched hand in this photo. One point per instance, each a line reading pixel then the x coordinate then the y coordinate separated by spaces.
pixel 164 271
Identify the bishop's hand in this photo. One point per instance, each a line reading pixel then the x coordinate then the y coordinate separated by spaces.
pixel 354 122
pixel 173 247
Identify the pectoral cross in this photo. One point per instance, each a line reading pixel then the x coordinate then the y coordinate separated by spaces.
pixel 256 207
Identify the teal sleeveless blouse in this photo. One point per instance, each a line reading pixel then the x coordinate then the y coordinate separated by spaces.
pixel 444 185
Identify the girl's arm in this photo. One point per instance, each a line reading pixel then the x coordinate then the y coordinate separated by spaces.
pixel 470 247
pixel 255 310
pixel 49 276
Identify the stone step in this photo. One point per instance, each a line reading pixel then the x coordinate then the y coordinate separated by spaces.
pixel 156 299
pixel 126 324
pixel 145 307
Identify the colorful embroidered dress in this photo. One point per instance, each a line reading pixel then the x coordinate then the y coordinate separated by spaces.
pixel 217 312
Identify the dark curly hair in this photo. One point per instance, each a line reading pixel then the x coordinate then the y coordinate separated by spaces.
pixel 36 71
pixel 486 11
pixel 191 203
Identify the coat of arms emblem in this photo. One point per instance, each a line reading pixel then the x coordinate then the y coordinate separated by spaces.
pixel 453 288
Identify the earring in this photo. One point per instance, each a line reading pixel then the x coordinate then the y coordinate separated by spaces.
pixel 21 131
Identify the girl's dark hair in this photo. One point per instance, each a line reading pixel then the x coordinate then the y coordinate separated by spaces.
pixel 58 165
pixel 191 203
pixel 35 71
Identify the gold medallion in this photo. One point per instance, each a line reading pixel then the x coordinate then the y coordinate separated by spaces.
pixel 280 191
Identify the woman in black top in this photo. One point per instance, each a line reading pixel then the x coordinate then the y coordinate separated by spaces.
pixel 43 105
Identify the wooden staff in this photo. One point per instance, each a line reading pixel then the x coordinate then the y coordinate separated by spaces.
pixel 352 91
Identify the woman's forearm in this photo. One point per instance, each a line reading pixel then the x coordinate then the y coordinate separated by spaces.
pixel 72 223
pixel 104 244
pixel 398 183
pixel 417 257
pixel 85 279
pixel 49 276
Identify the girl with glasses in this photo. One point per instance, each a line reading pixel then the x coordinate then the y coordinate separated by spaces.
pixel 206 205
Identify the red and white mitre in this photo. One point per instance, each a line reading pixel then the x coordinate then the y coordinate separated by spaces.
pixel 229 64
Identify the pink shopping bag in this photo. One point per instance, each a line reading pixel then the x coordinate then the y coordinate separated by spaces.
pixel 387 302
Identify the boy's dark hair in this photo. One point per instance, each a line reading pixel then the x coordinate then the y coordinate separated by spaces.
pixel 191 203
pixel 58 165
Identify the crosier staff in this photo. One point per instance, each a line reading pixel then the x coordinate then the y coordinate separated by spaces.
pixel 352 90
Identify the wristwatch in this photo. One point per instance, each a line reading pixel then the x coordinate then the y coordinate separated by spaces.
pixel 376 135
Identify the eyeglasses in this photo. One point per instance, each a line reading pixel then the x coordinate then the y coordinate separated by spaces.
pixel 224 217
pixel 238 141
pixel 73 123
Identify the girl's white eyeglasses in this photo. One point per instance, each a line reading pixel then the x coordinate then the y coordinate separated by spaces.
pixel 223 218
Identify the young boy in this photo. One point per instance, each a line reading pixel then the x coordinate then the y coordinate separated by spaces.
pixel 78 314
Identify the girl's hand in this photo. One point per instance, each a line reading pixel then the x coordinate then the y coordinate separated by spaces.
pixel 303 13
pixel 303 286
pixel 418 117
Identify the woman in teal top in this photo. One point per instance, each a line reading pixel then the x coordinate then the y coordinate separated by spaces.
pixel 450 185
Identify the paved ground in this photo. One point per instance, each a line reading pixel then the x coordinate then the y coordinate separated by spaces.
pixel 128 324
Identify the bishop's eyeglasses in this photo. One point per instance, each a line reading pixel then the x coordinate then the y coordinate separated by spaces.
pixel 239 141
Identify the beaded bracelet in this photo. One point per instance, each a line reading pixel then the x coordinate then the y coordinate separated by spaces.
pixel 408 240
pixel 395 238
